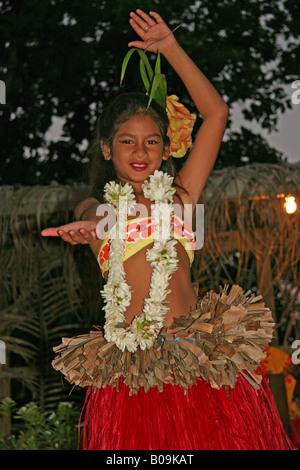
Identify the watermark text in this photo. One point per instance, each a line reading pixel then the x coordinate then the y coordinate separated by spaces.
pixel 159 227
pixel 296 93
pixel 296 354
pixel 2 92
pixel 2 352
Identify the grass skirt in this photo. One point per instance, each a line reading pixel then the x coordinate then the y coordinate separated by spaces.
pixel 204 419
pixel 172 396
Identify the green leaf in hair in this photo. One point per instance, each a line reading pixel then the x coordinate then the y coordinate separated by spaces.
pixel 154 82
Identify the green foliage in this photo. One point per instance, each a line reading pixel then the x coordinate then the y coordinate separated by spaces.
pixel 35 430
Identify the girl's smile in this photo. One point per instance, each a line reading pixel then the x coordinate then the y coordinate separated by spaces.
pixel 139 166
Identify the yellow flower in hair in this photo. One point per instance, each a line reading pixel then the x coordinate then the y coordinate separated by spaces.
pixel 181 123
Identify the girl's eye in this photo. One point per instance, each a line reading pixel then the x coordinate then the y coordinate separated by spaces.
pixel 126 141
pixel 152 142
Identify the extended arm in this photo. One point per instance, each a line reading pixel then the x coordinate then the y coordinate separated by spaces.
pixel 83 231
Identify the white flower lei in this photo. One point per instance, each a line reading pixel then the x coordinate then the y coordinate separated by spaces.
pixel 162 257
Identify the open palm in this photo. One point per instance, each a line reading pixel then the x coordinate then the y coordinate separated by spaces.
pixel 153 31
pixel 79 232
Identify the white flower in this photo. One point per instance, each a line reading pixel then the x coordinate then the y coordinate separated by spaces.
pixel 165 254
pixel 144 329
pixel 159 187
pixel 115 192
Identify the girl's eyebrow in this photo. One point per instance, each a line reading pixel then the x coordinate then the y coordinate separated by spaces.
pixel 132 135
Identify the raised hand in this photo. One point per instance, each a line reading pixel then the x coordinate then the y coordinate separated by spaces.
pixel 153 31
pixel 81 232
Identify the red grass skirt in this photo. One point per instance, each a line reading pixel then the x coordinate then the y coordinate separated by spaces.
pixel 205 419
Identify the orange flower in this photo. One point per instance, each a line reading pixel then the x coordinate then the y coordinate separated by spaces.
pixel 181 123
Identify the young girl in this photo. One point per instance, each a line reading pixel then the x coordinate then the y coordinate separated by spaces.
pixel 168 372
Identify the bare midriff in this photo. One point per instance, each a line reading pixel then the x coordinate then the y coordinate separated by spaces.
pixel 138 275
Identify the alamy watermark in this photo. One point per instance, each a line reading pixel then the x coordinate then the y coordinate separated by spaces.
pixel 2 92
pixel 296 94
pixel 296 354
pixel 2 352
pixel 160 216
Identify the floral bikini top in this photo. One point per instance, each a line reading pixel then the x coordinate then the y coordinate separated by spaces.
pixel 139 233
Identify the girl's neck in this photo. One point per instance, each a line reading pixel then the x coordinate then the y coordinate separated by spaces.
pixel 138 191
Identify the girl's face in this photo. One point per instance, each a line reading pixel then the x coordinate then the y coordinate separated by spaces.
pixel 138 149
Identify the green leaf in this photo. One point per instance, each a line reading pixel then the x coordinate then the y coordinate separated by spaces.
pixel 154 86
pixel 144 76
pixel 158 90
pixel 144 60
pixel 157 63
pixel 154 82
pixel 161 92
pixel 125 63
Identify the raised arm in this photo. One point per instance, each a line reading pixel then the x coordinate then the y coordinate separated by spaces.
pixel 155 35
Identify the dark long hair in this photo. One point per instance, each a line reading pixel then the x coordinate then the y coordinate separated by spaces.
pixel 118 111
